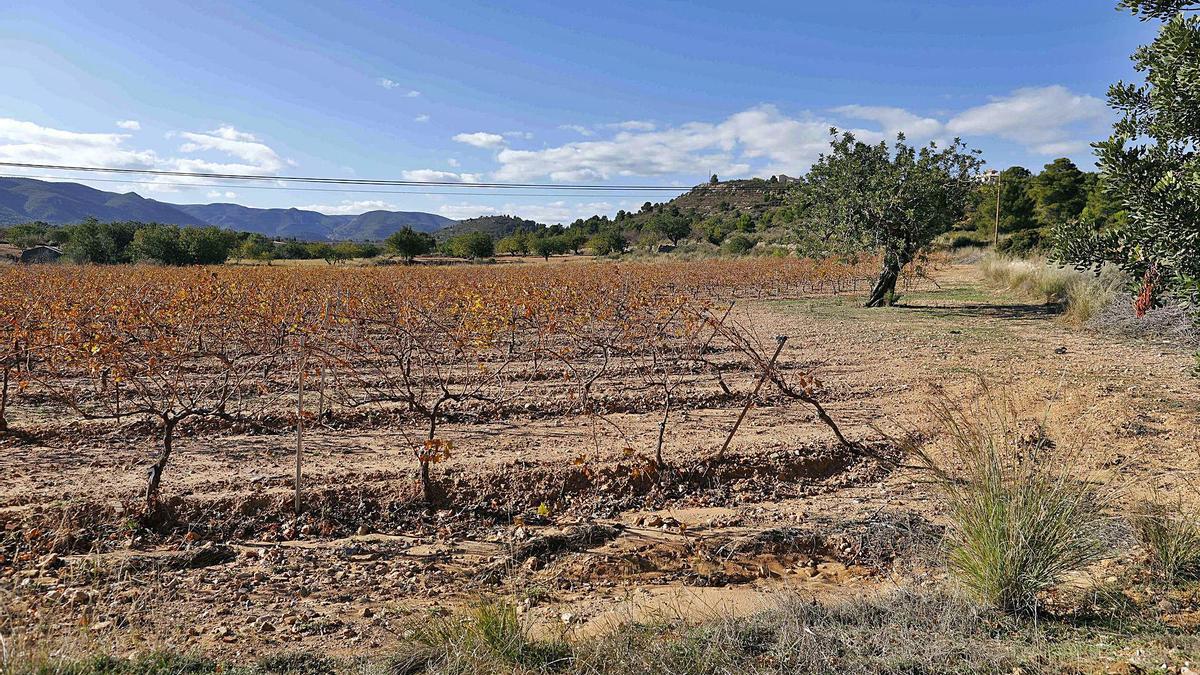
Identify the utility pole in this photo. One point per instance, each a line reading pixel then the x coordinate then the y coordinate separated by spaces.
pixel 996 231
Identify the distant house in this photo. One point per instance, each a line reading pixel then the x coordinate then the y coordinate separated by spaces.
pixel 41 255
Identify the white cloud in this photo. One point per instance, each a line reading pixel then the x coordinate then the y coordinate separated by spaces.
pixel 481 139
pixel 217 194
pixel 433 175
pixel 760 135
pixel 350 207
pixel 421 118
pixel 452 162
pixel 634 125
pixel 577 128
pixel 27 142
pixel 894 121
pixel 386 83
pixel 131 125
pixel 1045 120
pixel 518 134
pixel 257 157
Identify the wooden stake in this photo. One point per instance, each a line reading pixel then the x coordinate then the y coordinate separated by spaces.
pixel 750 400
pixel 300 420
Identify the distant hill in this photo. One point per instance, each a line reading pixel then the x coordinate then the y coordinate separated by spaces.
pixel 496 226
pixel 26 199
pixel 755 197
pixel 377 225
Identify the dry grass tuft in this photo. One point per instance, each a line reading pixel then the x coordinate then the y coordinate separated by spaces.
pixel 1021 514
pixel 1171 537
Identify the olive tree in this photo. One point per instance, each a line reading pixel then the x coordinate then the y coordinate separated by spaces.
pixel 891 200
pixel 1150 164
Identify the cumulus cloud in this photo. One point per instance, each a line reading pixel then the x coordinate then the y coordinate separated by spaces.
pixel 764 140
pixel 894 121
pixel 22 141
pixel 421 118
pixel 257 157
pixel 131 125
pixel 1046 120
pixel 27 142
pixel 433 175
pixel 217 194
pixel 762 134
pixel 350 207
pixel 634 125
pixel 577 128
pixel 481 139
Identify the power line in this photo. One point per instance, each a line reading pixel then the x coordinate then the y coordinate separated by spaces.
pixel 381 182
pixel 129 181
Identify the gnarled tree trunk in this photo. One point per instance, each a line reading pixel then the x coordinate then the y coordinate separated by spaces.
pixel 156 469
pixel 885 288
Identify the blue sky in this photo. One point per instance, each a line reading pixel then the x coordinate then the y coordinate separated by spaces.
pixel 617 92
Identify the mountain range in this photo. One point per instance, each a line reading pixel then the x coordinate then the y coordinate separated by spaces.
pixel 26 199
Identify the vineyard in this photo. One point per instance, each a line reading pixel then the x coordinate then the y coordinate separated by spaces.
pixel 304 456
pixel 236 346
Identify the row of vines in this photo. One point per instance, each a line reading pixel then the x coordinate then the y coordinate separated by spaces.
pixel 437 344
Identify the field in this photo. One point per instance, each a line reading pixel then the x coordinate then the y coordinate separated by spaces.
pixel 547 434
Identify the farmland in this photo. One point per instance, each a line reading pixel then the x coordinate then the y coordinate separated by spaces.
pixel 548 433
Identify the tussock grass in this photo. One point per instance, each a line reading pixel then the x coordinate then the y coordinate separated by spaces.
pixel 1082 294
pixel 1171 537
pixel 490 637
pixel 1022 515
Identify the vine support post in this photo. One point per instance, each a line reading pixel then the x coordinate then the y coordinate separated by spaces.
pixel 780 340
pixel 300 421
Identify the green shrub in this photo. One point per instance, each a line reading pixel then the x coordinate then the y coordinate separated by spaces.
pixel 1021 515
pixel 1023 243
pixel 737 245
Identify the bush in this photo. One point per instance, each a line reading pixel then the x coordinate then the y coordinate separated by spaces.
pixel 1171 538
pixel 1023 243
pixel 737 245
pixel 1021 515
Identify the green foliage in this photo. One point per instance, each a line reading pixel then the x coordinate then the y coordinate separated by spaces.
pixel 548 246
pixel 892 200
pixel 737 245
pixel 471 245
pixel 99 243
pixel 1023 243
pixel 408 243
pixel 1017 206
pixel 1059 192
pixel 1157 9
pixel 1151 165
pixel 514 244
pixel 604 243
pixel 256 247
pixel 1021 515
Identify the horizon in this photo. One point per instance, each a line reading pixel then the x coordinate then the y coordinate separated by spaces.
pixel 632 95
